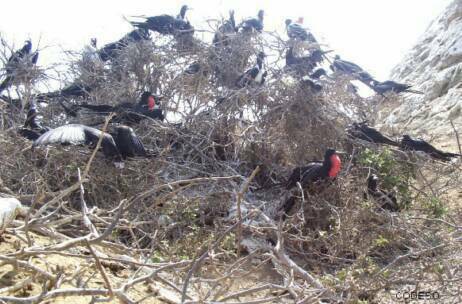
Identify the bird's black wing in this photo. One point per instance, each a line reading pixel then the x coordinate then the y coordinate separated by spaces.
pixel 193 68
pixel 156 114
pixel 73 90
pixel 35 58
pixel 128 143
pixel 350 66
pixel 252 24
pixel 68 134
pixel 109 51
pixel 138 35
pixel 245 79
pixel 422 145
pixel 101 109
pixel 386 200
pixel 29 134
pixel 434 152
pixel 371 134
pixel 294 30
pixel 304 175
pixel 6 83
pixel 253 72
pixel 263 77
pixel 32 120
pixel 311 174
pixel 162 24
pixel 318 73
pixel 76 134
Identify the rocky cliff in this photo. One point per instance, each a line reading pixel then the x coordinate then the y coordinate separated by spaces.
pixel 434 66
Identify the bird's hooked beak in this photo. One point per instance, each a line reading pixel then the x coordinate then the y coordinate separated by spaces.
pixel 341 152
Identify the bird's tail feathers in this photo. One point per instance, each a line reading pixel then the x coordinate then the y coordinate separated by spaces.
pixel 414 92
pixel 449 154
pixel 141 25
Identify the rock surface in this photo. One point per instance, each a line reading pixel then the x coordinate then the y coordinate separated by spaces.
pixel 434 66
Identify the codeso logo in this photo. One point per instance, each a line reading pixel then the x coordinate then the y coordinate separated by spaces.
pixel 415 295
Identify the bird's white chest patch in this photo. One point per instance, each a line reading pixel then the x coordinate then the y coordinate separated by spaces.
pixel 259 76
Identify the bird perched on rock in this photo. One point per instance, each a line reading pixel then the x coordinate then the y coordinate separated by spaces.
pixel 363 131
pixel 408 143
pixel 254 75
pixel 386 200
pixel 32 128
pixel 117 147
pixel 112 50
pixel 311 174
pixel 227 29
pixel 295 30
pixel 392 86
pixel 253 24
pixel 167 24
pixel 130 113
pixel 19 59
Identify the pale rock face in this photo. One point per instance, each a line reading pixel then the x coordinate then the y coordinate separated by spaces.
pixel 433 66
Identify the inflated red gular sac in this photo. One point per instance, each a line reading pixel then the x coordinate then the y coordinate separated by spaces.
pixel 315 171
pixel 310 175
pixel 336 165
pixel 151 103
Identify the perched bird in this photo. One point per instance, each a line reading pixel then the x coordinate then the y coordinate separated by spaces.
pixel 363 131
pixel 182 14
pixel 122 144
pixel 167 24
pixel 112 50
pixel 408 143
pixel 347 67
pixel 313 86
pixel 32 128
pixel 392 86
pixel 94 42
pixel 315 171
pixel 253 24
pixel 318 73
pixel 73 90
pixel 225 30
pixel 90 57
pixel 18 58
pixel 304 65
pixel 254 75
pixel 195 68
pixel 309 175
pixel 386 200
pixel 131 113
pixel 295 30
